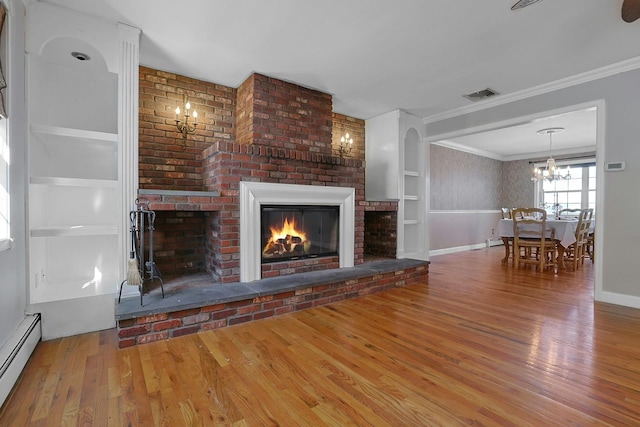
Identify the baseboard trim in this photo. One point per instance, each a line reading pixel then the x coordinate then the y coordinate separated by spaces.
pixel 464 248
pixel 15 353
pixel 618 299
pixel 489 243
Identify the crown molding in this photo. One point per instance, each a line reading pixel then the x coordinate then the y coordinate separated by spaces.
pixel 524 156
pixel 467 149
pixel 609 70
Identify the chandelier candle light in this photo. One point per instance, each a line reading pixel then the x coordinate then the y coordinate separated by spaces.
pixel 552 172
pixel 346 144
pixel 183 126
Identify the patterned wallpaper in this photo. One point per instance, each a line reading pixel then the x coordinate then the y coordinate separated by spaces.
pixel 517 189
pixel 464 181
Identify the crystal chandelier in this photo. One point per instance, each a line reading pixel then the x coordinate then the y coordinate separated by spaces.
pixel 552 171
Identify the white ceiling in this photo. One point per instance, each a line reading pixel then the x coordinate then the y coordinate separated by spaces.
pixel 522 141
pixel 375 56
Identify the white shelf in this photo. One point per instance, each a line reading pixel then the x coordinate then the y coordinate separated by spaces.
pixel 75 133
pixel 75 230
pixel 73 182
pixel 73 287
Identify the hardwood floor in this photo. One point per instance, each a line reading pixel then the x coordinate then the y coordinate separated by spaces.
pixel 480 344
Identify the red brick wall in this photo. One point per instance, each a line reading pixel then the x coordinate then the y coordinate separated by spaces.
pixel 179 239
pixel 227 164
pixel 166 160
pixel 285 115
pixel 244 112
pixel 266 130
pixel 381 228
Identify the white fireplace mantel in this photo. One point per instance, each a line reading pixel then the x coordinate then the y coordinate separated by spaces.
pixel 255 194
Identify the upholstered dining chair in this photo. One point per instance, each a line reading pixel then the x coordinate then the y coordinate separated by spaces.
pixel 577 251
pixel 530 232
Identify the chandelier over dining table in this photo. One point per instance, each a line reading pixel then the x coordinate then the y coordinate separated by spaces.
pixel 551 172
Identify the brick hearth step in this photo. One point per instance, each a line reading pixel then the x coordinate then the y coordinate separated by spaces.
pixel 194 309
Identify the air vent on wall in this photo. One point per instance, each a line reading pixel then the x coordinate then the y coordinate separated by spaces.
pixel 481 94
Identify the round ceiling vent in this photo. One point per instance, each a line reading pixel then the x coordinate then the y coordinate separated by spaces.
pixel 80 56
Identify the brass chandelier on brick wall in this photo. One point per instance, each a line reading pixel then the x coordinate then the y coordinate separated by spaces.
pixel 183 125
pixel 345 146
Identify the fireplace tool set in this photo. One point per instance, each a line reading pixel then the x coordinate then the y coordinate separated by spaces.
pixel 141 267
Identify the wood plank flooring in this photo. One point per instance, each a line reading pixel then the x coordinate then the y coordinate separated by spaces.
pixel 479 344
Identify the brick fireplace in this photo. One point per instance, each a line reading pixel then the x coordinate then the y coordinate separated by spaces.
pixel 266 131
pixel 266 134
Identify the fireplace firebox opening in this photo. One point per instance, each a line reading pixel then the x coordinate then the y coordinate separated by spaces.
pixel 298 232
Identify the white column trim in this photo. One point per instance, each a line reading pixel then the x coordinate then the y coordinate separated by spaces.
pixel 127 136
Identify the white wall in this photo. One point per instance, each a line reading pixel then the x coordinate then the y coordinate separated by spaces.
pixel 382 134
pixel 12 262
pixel 617 232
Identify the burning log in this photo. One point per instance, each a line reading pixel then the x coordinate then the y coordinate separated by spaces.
pixel 283 242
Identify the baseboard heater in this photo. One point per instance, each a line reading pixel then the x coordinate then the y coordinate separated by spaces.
pixel 15 353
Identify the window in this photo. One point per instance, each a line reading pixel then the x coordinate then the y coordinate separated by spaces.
pixel 579 192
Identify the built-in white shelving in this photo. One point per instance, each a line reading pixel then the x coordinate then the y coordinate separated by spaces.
pixel 397 169
pixel 413 208
pixel 81 148
pixel 74 204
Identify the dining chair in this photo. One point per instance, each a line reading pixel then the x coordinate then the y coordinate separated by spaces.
pixel 564 213
pixel 530 232
pixel 590 246
pixel 577 251
pixel 506 214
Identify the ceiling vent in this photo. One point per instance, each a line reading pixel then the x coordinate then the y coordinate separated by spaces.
pixel 481 94
pixel 523 3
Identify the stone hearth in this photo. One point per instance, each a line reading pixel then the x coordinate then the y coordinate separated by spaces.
pixel 202 305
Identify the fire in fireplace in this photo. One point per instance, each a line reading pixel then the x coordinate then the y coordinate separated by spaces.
pixel 297 232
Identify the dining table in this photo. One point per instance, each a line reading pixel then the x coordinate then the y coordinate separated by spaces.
pixel 564 232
